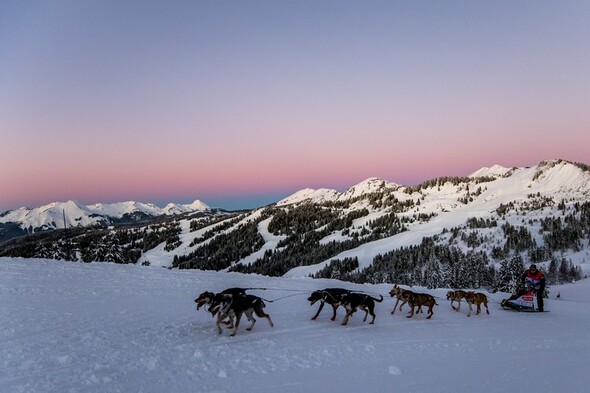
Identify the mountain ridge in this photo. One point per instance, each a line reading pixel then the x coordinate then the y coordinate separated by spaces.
pixel 539 213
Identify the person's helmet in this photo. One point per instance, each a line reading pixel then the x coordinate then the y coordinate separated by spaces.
pixel 533 267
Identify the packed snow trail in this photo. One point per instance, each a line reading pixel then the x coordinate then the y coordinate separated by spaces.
pixel 75 327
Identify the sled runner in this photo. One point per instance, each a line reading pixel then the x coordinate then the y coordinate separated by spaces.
pixel 525 302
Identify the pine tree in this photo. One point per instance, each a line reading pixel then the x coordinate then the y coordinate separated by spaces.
pixel 564 271
pixel 552 276
pixel 433 274
pixel 509 275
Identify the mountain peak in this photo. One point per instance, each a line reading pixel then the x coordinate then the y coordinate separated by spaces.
pixel 310 195
pixel 493 171
pixel 368 186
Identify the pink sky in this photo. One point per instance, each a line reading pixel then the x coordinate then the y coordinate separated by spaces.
pixel 244 104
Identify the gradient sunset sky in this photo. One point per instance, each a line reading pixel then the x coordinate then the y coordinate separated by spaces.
pixel 241 103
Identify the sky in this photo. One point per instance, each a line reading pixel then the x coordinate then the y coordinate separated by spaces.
pixel 240 104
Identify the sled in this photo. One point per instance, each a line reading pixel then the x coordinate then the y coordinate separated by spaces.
pixel 525 303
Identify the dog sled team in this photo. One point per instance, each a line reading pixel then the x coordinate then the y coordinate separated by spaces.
pixel 230 305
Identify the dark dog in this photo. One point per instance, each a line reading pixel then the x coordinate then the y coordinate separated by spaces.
pixel 208 297
pixel 419 300
pixel 234 306
pixel 329 295
pixel 353 301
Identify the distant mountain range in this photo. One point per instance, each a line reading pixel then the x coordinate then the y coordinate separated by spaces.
pixel 539 213
pixel 58 215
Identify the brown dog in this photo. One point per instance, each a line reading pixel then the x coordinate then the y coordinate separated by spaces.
pixel 456 296
pixel 419 300
pixel 476 298
pixel 402 296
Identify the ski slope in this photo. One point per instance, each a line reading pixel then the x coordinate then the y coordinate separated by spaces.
pixel 98 327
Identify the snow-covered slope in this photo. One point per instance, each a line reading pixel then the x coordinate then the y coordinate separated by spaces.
pixel 557 179
pixel 99 327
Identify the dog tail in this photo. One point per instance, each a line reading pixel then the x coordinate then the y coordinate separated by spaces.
pixel 379 300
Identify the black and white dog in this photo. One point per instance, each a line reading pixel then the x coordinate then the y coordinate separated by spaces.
pixel 231 306
pixel 353 301
pixel 329 295
pixel 206 298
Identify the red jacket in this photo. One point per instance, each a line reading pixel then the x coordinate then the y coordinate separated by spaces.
pixel 535 280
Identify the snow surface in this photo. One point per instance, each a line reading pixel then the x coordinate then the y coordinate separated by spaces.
pixel 100 327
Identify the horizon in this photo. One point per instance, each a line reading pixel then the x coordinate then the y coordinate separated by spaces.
pixel 253 201
pixel 243 104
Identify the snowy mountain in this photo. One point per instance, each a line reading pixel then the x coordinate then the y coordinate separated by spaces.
pixel 52 216
pixel 371 185
pixel 102 327
pixel 539 213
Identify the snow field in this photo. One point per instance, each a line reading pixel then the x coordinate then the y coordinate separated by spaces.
pixel 74 327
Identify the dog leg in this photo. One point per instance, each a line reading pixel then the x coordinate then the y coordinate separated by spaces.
pixel 270 321
pixel 430 312
pixel 345 320
pixel 487 309
pixel 318 313
pixel 220 319
pixel 250 318
pixel 366 310
pixel 346 317
pixel 469 312
pixel 411 311
pixel 394 307
pixel 262 314
pixel 236 325
pixel 334 308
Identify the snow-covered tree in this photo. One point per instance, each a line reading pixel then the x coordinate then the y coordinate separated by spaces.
pixel 508 277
